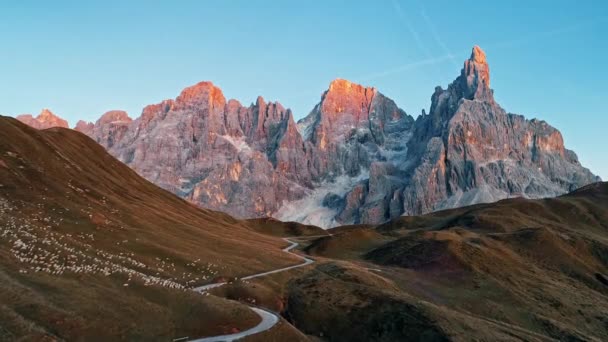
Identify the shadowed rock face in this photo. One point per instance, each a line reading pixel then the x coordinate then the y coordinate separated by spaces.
pixel 110 128
pixel 355 158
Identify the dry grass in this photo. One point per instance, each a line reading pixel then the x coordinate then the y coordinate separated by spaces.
pixel 91 251
pixel 513 270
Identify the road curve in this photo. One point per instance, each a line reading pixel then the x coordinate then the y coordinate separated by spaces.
pixel 269 319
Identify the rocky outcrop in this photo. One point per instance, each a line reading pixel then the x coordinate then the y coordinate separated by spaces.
pixel 46 119
pixel 109 129
pixel 353 126
pixel 84 127
pixel 242 160
pixel 466 150
pixel 469 150
pixel 355 158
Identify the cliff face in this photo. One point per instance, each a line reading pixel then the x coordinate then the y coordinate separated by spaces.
pixel 356 158
pixel 469 150
pixel 213 152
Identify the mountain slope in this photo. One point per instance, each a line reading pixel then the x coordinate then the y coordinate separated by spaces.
pixel 517 269
pixel 91 251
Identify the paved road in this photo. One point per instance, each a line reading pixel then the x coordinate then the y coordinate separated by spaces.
pixel 269 319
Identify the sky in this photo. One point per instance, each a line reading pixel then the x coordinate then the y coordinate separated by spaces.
pixel 82 58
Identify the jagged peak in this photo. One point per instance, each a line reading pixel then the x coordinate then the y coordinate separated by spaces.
pixel 259 101
pixel 346 86
pixel 114 116
pixel 84 126
pixel 46 119
pixel 46 113
pixel 344 96
pixel 476 76
pixel 204 91
pixel 233 104
pixel 49 119
pixel 83 123
pixel 478 55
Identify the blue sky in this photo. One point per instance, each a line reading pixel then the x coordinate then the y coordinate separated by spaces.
pixel 80 59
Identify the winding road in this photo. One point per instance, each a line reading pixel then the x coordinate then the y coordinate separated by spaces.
pixel 269 319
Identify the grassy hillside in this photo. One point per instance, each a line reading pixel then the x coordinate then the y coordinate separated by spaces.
pixel 91 251
pixel 513 270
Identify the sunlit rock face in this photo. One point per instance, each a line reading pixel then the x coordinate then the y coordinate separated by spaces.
pixel 355 158
pixel 351 127
pixel 216 153
pixel 46 119
pixel 356 131
pixel 469 150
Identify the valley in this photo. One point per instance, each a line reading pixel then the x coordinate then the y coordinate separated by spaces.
pixel 92 238
pixel 207 220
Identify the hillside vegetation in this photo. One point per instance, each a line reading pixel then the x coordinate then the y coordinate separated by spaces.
pixel 91 251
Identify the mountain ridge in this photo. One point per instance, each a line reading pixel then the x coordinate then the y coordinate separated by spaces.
pixel 355 158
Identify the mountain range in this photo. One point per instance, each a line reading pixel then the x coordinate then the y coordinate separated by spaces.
pixel 355 158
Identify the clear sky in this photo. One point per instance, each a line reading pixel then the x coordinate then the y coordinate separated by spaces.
pixel 82 58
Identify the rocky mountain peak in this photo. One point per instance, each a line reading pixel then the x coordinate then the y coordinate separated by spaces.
pixel 341 85
pixel 202 93
pixel 114 116
pixel 344 95
pixel 478 55
pixel 46 114
pixel 46 119
pixel 344 106
pixel 475 76
pixel 260 102
pixel 84 127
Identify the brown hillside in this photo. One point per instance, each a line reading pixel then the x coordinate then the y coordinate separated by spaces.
pixel 91 251
pixel 513 270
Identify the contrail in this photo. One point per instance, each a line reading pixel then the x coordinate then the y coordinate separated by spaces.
pixel 450 56
pixel 436 36
pixel 410 28
pixel 405 67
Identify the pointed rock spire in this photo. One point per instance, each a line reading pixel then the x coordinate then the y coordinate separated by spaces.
pixel 476 76
pixel 478 55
